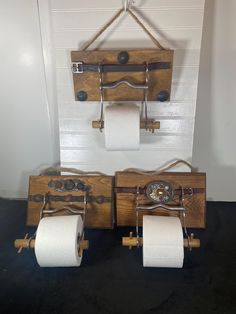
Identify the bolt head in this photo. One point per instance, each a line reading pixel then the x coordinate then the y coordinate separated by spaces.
pixel 163 95
pixel 82 95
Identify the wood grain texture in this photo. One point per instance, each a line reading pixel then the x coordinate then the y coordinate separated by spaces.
pixel 89 81
pixel 195 205
pixel 97 215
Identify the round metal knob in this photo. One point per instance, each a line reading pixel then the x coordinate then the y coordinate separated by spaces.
pixel 58 185
pixel 81 186
pixel 163 95
pixel 55 184
pixel 82 95
pixel 69 185
pixel 123 57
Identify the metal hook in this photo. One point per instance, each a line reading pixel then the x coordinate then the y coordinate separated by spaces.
pixel 145 93
pixel 125 5
pixel 128 4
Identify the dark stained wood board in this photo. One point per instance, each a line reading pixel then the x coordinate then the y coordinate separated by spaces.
pixel 97 215
pixel 89 81
pixel 195 205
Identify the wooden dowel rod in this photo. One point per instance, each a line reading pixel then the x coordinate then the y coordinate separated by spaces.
pixel 192 243
pixel 128 241
pixel 151 124
pixel 97 124
pixel 24 243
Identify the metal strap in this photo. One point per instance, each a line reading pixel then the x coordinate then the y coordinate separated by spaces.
pixel 79 67
pixel 187 191
pixel 38 198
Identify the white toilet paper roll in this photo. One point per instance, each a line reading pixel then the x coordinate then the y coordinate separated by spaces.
pixel 162 242
pixel 122 127
pixel 56 243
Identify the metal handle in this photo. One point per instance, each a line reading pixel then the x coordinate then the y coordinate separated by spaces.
pixel 71 210
pixel 171 208
pixel 119 82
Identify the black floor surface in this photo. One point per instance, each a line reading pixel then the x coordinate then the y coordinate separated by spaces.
pixel 112 279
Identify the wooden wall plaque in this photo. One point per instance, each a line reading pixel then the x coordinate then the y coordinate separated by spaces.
pixel 99 213
pixel 195 204
pixel 88 82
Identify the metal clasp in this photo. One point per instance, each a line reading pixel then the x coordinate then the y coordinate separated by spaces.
pixel 77 67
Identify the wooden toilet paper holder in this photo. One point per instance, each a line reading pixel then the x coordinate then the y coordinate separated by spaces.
pixel 147 124
pixel 29 242
pixel 189 242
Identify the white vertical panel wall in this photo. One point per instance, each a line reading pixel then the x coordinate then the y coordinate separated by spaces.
pixel 28 132
pixel 214 143
pixel 178 25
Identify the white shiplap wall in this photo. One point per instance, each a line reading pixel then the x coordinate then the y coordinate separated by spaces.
pixel 178 24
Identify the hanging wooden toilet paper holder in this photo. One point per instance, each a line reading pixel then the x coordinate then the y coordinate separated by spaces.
pixel 91 69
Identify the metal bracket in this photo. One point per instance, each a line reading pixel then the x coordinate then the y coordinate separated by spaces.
pixel 180 209
pixel 30 242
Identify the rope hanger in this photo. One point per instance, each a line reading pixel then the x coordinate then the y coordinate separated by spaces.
pixel 165 168
pixel 162 169
pixel 125 9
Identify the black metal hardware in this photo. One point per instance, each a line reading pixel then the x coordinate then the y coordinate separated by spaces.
pixel 80 67
pixel 123 57
pixel 82 95
pixel 68 185
pixel 38 198
pixel 163 95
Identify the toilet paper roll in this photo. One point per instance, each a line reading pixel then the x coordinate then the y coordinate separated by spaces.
pixel 162 242
pixel 56 243
pixel 122 127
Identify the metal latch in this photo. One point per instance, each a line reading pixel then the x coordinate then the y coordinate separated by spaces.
pixel 77 67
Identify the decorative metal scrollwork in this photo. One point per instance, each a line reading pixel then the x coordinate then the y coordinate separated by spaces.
pixel 160 192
